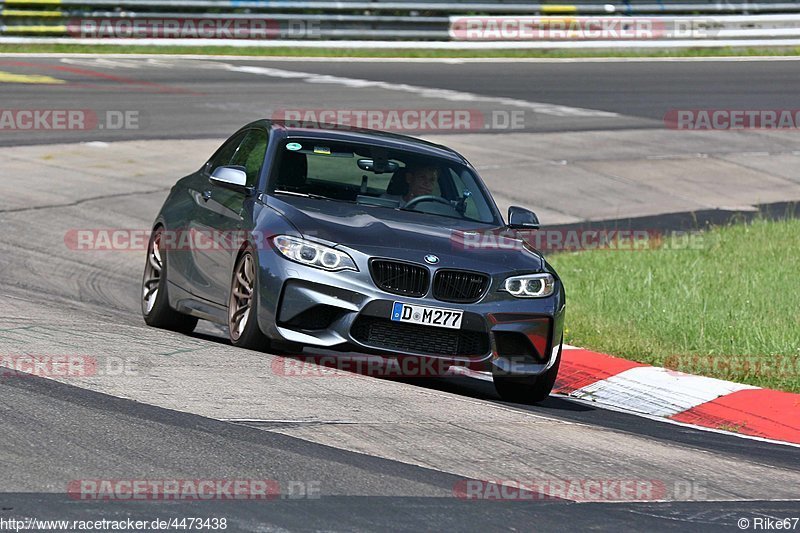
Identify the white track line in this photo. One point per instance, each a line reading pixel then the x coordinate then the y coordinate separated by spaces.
pixel 356 83
pixel 665 44
pixel 446 60
pixel 423 92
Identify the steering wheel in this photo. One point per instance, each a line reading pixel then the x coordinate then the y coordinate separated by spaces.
pixel 426 198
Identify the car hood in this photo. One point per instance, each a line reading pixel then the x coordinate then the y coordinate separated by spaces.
pixel 378 231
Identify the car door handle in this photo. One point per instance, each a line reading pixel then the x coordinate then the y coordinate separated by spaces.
pixel 207 195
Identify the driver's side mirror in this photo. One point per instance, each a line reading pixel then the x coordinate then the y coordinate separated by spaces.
pixel 521 218
pixel 231 177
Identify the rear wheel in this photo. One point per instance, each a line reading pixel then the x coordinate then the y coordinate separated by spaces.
pixel 243 305
pixel 527 389
pixel 155 301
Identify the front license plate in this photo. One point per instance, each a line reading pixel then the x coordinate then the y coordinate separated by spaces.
pixel 428 316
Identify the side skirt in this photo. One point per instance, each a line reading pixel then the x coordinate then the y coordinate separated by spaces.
pixel 189 304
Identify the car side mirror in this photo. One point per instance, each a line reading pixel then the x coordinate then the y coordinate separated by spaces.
pixel 521 218
pixel 231 177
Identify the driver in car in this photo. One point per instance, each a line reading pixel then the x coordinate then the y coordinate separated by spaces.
pixel 421 181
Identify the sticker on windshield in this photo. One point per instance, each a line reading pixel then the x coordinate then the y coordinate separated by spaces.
pixel 293 146
pixel 322 150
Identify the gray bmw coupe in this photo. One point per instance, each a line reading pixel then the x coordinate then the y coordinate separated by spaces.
pixel 356 241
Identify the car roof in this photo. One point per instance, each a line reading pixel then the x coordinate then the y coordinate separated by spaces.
pixel 336 132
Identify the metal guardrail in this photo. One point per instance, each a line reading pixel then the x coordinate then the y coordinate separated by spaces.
pixel 618 28
pixel 387 20
pixel 449 8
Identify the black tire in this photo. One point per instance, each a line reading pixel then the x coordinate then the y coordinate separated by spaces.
pixel 527 389
pixel 244 332
pixel 156 310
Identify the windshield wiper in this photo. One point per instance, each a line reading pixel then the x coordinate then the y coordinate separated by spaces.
pixel 303 194
pixel 311 195
pixel 461 217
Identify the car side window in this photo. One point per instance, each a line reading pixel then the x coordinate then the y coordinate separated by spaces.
pixel 225 153
pixel 251 153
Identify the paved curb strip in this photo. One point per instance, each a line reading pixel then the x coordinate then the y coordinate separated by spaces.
pixel 685 398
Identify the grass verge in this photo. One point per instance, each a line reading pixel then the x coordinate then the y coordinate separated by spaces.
pixel 728 308
pixel 378 52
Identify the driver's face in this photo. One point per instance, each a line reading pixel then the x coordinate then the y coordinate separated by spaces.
pixel 421 181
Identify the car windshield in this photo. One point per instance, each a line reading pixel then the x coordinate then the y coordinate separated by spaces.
pixel 376 176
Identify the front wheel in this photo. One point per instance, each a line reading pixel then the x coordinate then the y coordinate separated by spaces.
pixel 527 389
pixel 243 305
pixel 155 302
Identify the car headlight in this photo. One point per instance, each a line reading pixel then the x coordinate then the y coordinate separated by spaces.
pixel 313 254
pixel 530 285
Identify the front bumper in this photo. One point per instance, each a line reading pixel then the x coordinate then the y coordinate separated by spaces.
pixel 346 312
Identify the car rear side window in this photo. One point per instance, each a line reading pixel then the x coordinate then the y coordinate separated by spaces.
pixel 225 153
pixel 250 154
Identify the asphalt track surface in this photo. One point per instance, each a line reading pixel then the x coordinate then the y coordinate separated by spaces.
pixel 189 99
pixel 386 454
